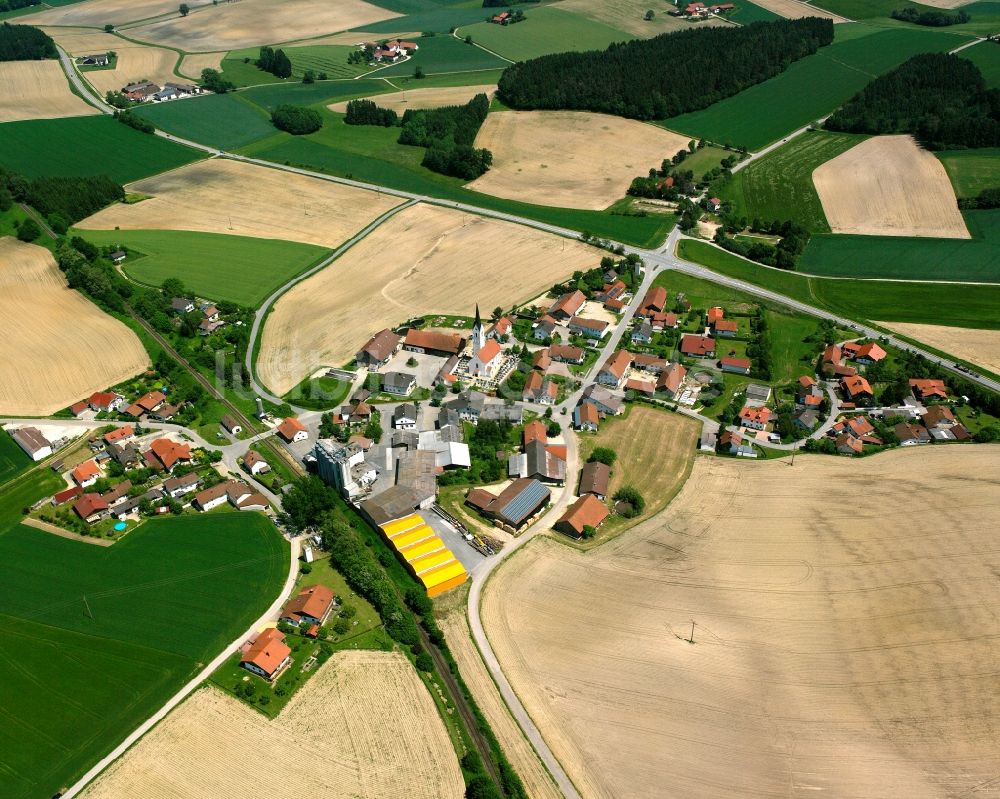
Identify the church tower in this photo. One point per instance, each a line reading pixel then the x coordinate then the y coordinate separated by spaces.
pixel 478 334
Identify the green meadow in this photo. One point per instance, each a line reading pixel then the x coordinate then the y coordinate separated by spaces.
pixel 225 121
pixel 444 54
pixel 971 171
pixel 986 56
pixel 13 461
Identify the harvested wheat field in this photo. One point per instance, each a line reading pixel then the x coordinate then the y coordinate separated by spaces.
pixel 889 186
pixel 443 261
pixel 98 13
pixel 135 63
pixel 981 347
pixel 362 727
pixel 220 195
pixel 946 3
pixel 570 159
pixel 38 90
pixel 424 98
pixel 793 9
pixel 192 64
pixel 358 37
pixel 629 16
pixel 84 41
pixel 229 26
pixel 70 348
pixel 841 648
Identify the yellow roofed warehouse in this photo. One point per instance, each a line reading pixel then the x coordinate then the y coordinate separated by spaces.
pixel 426 555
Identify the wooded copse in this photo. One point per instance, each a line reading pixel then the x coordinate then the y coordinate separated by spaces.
pixel 25 43
pixel 667 75
pixel 275 62
pixel 931 18
pixel 941 99
pixel 62 200
pixel 366 112
pixel 297 120
pixel 14 5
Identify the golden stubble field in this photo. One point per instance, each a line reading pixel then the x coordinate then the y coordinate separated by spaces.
pixel 424 98
pixel 224 196
pixel 889 186
pixel 58 346
pixel 845 644
pixel 38 90
pixel 980 347
pixel 793 9
pixel 424 260
pixel 192 65
pixel 362 727
pixel 98 13
pixel 569 159
pixel 251 22
pixel 629 16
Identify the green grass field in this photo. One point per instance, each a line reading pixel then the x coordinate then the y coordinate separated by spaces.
pixel 161 602
pixel 746 12
pixel 269 97
pixel 13 461
pixel 331 59
pixel 225 121
pixel 810 88
pixel 898 258
pixel 986 56
pixel 436 18
pixel 971 171
pixel 93 145
pixel 779 186
pixel 546 30
pixel 865 9
pixel 909 301
pixel 215 265
pixel 444 54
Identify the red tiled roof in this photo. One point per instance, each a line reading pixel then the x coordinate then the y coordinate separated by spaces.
pixel 102 399
pixel 618 364
pixel 589 413
pixel 169 452
pixel 288 428
pixel 313 600
pixel 855 385
pixel 727 325
pixel 739 363
pixel 151 400
pixel 643 386
pixel 489 351
pixel 671 378
pixel 432 340
pixel 85 471
pixel 655 299
pixel 89 504
pixel 120 433
pixel 587 511
pixel 928 387
pixel 268 651
pixel 78 407
pixel 870 351
pixel 534 431
pixel 568 304
pixel 832 354
pixel 755 415
pixel 715 315
pixel 806 382
pixel 64 496
pixel 696 345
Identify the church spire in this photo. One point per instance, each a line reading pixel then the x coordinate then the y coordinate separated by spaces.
pixel 478 333
pixel 477 323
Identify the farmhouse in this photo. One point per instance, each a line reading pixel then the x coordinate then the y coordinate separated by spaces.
pixel 379 349
pixel 97 60
pixel 611 291
pixel 432 343
pixel 469 405
pixel 106 401
pixel 268 655
pixel 567 306
pixel 755 418
pixel 697 346
pixel 141 91
pixel 165 453
pixel 642 333
pixel 615 369
pixel 86 474
pixel 670 379
pixel 590 328
pixel 312 605
pixel 586 417
pixel 404 416
pixel 516 505
pixel 292 430
pixel 587 512
pixel 91 508
pixel 654 301
pixel 31 440
pixel 715 315
pixel 926 389
pixel 400 384
pixel 539 461
pixel 595 477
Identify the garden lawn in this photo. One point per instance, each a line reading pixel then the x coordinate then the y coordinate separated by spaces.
pixel 986 56
pixel 225 121
pixel 974 260
pixel 810 88
pixel 239 269
pixel 908 301
pixel 162 601
pixel 971 171
pixel 779 186
pixel 13 461
pixel 544 31
pixel 91 145
pixel 442 54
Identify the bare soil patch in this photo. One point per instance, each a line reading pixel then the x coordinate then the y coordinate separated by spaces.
pixel 422 261
pixel 135 63
pixel 424 98
pixel 889 186
pixel 225 196
pixel 251 22
pixel 570 159
pixel 980 347
pixel 38 90
pixel 793 9
pixel 58 346
pixel 363 727
pixel 845 633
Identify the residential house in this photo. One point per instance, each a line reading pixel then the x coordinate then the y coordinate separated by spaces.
pixel 737 366
pixel 140 91
pixel 206 327
pixel 126 455
pixel 268 655
pixel 755 418
pixel 713 205
pixel 567 306
pixel 468 405
pixel 589 328
pixel 715 315
pixel 254 463
pixel 232 491
pixel 663 320
pixel 606 402
pixel 166 412
pixel 757 394
pixel 312 605
pixel 615 306
pixel 939 417
pixel 231 425
pixel 117 495
pixel 404 417
pixel 253 501
pixel 91 508
pixel 595 477
pixel 735 444
pixel 642 333
pixel 30 439
pixel 808 393
pixel 649 363
pixel 119 434
pixel 806 418
pixel 654 302
pixel 181 305
pixel 567 353
pixel 502 328
pixel 542 360
pixel 378 350
pixel 537 388
pixel 543 329
pixel 864 353
pixel 86 474
pixel 586 417
pixel 106 401
pixel 433 343
pixel 166 454
pixel 79 408
pixel 647 387
pixel 147 403
pixel 857 389
pixel 671 379
pixel 928 389
pixel 401 384
pixel 848 444
pixel 832 356
pixel 64 496
pixel 615 369
pixel 910 434
pixel 611 291
pixel 209 312
pixel 726 328
pixel 179 486
pixel 696 346
pixel 166 93
pixel 446 375
pixel 117 256
pixel 587 512
pixel 292 430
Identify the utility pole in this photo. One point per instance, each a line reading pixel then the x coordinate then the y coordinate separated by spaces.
pixel 691 639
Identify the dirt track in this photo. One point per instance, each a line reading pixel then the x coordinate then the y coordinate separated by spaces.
pixel 37 90
pixel 363 727
pixel 424 260
pixel 980 347
pixel 224 196
pixel 570 159
pixel 845 641
pixel 424 98
pixel 889 186
pixel 58 346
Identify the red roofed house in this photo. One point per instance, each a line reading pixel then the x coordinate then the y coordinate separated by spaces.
pixel 542 360
pixel 670 379
pixel 697 346
pixel 119 434
pixel 589 328
pixel 502 327
pixel 695 10
pixel 312 606
pixel 77 408
pixel 64 496
pixel 856 388
pixel 567 305
pixel 168 453
pixel 715 315
pixel 292 430
pixel 587 512
pixel 567 353
pixel 832 355
pixel 642 386
pixel 654 301
pixel 928 389
pixel 86 474
pixel 615 369
pixel 268 655
pixel 726 328
pixel 586 416
pixel 615 305
pixel 378 350
pixel 714 204
pixel 848 444
pixel 534 431
pixel 487 360
pixel 90 508
pixel 150 401
pixel 661 320
pixel 612 291
pixel 755 418
pixel 106 401
pixel 869 353
pixel 538 389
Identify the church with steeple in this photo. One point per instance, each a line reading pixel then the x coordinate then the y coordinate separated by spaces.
pixel 487 357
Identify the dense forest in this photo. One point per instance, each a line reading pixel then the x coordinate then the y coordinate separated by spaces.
pixel 24 43
pixel 297 120
pixel 932 19
pixel 14 5
pixel 62 200
pixel 667 75
pixel 941 99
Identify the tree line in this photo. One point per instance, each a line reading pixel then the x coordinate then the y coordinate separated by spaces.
pixel 275 62
pixel 667 75
pixel 61 200
pixel 366 112
pixel 987 198
pixel 25 43
pixel 939 98
pixel 931 18
pixel 14 5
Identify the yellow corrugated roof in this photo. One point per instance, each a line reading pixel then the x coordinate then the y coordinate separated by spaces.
pixel 422 548
pixel 406 539
pixel 442 574
pixel 402 525
pixel 431 561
